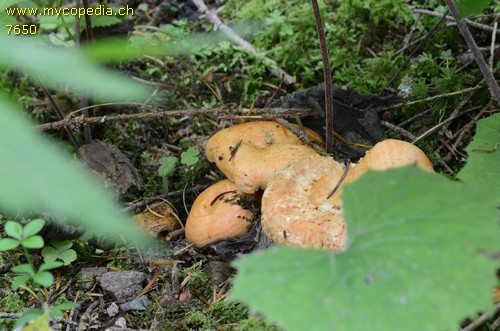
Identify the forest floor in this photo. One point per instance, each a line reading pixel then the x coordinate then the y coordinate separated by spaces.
pixel 402 64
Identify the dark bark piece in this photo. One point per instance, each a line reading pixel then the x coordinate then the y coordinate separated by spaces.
pixel 355 118
pixel 112 166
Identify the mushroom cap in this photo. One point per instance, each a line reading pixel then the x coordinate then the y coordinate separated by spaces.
pixel 249 153
pixel 393 153
pixel 216 214
pixel 295 208
pixel 295 211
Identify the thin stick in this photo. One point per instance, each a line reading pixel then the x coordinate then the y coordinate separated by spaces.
pixel 245 45
pixel 267 114
pixel 327 76
pixel 435 97
pixel 482 319
pixel 483 66
pixel 399 130
pixel 59 114
pixel 450 18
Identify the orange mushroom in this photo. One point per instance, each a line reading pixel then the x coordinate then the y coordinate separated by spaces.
pixel 216 214
pixel 297 206
pixel 248 154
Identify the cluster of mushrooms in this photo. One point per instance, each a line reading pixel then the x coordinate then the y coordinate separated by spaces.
pixel 298 208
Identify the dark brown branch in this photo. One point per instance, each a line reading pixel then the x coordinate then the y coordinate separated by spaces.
pixel 257 113
pixel 483 66
pixel 327 76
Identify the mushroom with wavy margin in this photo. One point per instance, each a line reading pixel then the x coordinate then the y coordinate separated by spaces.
pixel 298 208
pixel 216 214
pixel 249 153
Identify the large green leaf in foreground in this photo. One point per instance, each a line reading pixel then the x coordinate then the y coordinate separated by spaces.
pixel 483 163
pixel 418 259
pixel 36 175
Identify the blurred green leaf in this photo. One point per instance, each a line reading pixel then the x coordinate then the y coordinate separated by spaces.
pixel 44 278
pixel 483 163
pixel 167 166
pixel 50 254
pixel 32 242
pixel 33 228
pixel 472 7
pixel 418 258
pixel 14 229
pixel 190 156
pixel 24 268
pixel 67 256
pixel 19 281
pixel 7 244
pixel 50 265
pixel 35 176
pixel 60 67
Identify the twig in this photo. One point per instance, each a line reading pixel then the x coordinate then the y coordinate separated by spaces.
pixel 492 47
pixel 268 114
pixel 435 97
pixel 483 66
pixel 245 45
pixel 482 319
pixel 450 18
pixel 147 201
pixel 437 126
pixel 84 100
pixel 59 114
pixel 399 130
pixel 327 77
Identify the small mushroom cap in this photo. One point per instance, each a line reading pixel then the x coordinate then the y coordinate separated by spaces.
pixel 216 214
pixel 295 209
pixel 393 153
pixel 249 153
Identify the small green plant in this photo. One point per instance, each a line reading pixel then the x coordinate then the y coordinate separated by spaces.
pixel 190 157
pixel 59 250
pixel 166 170
pixel 27 237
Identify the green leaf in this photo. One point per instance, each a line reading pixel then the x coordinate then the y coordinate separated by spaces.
pixel 61 245
pixel 50 265
pixel 59 67
pixel 24 269
pixel 14 229
pixel 7 3
pixel 167 166
pixel 68 256
pixel 44 183
pixel 7 244
pixel 40 323
pixel 419 258
pixel 44 278
pixel 28 316
pixel 483 163
pixel 20 280
pixel 50 254
pixel 190 156
pixel 66 306
pixel 33 242
pixel 472 7
pixel 33 228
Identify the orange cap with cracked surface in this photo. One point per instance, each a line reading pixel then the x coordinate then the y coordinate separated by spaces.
pixel 216 214
pixel 295 208
pixel 249 153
